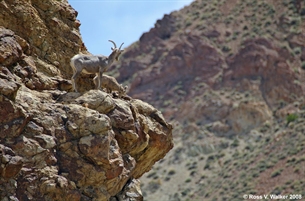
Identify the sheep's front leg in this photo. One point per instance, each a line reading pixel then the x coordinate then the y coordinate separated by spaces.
pixel 98 80
pixel 95 81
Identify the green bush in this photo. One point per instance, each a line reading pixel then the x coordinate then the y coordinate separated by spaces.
pixel 303 65
pixel 297 50
pixel 276 173
pixel 171 172
pixel 188 180
pixel 235 143
pixel 291 118
pixel 226 49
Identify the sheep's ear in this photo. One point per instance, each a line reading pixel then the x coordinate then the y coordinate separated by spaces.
pixel 112 48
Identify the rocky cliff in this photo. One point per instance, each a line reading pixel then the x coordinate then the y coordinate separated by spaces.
pixel 61 145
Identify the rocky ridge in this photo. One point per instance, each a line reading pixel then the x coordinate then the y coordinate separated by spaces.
pixel 61 145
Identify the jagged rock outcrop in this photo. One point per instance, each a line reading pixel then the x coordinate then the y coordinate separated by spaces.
pixel 42 28
pixel 61 145
pixel 264 62
pixel 177 60
pixel 70 149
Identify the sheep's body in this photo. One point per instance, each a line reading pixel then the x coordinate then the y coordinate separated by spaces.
pixel 90 63
pixel 111 84
pixel 93 64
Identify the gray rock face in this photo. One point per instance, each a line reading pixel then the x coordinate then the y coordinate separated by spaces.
pixel 61 145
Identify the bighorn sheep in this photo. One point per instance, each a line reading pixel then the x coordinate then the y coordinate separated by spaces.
pixel 111 85
pixel 93 64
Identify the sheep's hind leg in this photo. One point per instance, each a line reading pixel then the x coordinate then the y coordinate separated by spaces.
pixel 73 79
pixel 98 80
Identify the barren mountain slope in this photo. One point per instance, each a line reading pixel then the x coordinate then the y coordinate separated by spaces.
pixel 229 75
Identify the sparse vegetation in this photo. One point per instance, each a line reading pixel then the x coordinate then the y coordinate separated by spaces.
pixel 269 150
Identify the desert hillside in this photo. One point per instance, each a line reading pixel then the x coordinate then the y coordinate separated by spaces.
pixel 229 76
pixel 57 144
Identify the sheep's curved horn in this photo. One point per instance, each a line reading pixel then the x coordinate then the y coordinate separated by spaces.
pixel 113 43
pixel 121 46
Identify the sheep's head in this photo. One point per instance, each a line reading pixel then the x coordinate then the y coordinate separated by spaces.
pixel 115 51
